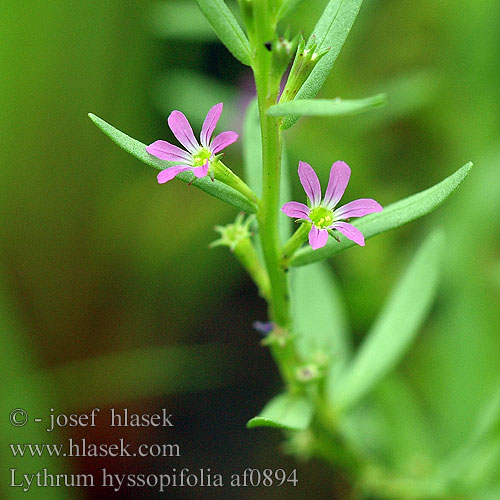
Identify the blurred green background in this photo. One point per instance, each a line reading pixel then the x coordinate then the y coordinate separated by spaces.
pixel 109 294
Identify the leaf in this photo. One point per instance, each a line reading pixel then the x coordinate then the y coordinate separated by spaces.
pixel 396 327
pixel 138 149
pixel 407 433
pixel 488 419
pixel 327 107
pixel 252 148
pixel 285 412
pixel 393 216
pixel 227 28
pixel 486 425
pixel 320 318
pixel 331 32
pixel 390 425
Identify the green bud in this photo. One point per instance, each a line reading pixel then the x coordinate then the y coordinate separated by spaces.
pixel 305 60
pixel 282 50
pixel 237 237
pixel 308 373
pixel 279 336
pixel 235 233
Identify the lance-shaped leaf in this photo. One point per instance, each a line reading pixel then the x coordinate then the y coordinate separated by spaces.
pixel 227 28
pixel 391 217
pixel 285 412
pixel 320 319
pixel 330 33
pixel 138 149
pixel 487 425
pixel 396 327
pixel 252 148
pixel 327 107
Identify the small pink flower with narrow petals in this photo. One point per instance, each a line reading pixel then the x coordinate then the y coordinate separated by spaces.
pixel 196 157
pixel 322 213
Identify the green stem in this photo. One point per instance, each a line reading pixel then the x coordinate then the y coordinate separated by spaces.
pixel 227 176
pixel 245 252
pixel 294 243
pixel 267 93
pixel 262 28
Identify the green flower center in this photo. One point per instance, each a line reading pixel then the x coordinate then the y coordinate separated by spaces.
pixel 321 217
pixel 200 158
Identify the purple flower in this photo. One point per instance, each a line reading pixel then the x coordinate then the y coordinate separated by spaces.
pixel 322 213
pixel 263 327
pixel 195 157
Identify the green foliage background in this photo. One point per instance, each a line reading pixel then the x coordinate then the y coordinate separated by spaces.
pixel 106 274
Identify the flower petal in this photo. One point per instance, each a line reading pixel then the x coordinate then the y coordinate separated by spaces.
pixel 183 132
pixel 169 173
pixel 310 183
pixel 349 231
pixel 317 237
pixel 339 178
pixel 357 208
pixel 223 140
pixel 166 151
pixel 201 171
pixel 296 210
pixel 209 124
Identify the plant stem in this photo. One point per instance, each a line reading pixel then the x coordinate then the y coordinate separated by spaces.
pixel 294 243
pixel 247 257
pixel 227 176
pixel 267 94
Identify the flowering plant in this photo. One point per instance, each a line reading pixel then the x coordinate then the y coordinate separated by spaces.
pixel 325 380
pixel 321 214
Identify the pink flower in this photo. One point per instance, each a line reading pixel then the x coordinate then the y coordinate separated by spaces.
pixel 322 213
pixel 196 157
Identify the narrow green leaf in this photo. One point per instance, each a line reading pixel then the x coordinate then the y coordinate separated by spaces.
pixel 396 327
pixel 285 412
pixel 406 432
pixel 391 217
pixel 331 32
pixel 327 107
pixel 492 494
pixel 486 425
pixel 252 148
pixel 390 423
pixel 320 318
pixel 138 149
pixel 488 419
pixel 227 28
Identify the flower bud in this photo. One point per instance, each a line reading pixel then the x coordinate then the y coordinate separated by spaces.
pixel 303 64
pixel 308 373
pixel 235 233
pixel 237 236
pixel 282 50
